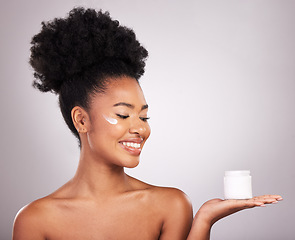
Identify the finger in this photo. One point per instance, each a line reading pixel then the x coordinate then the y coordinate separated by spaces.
pixel 265 199
pixel 254 203
pixel 277 197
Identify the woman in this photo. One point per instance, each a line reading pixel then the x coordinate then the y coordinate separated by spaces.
pixel 94 64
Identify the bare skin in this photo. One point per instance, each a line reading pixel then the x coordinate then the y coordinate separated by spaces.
pixel 141 211
pixel 216 209
pixel 101 201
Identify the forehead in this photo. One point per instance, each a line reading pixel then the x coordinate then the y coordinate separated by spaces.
pixel 121 89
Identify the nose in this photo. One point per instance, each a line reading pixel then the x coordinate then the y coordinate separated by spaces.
pixel 137 127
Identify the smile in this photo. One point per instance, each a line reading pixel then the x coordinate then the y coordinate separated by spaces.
pixel 131 144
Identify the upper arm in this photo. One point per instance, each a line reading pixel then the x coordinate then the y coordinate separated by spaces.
pixel 178 216
pixel 28 225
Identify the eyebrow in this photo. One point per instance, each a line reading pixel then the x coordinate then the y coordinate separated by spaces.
pixel 129 105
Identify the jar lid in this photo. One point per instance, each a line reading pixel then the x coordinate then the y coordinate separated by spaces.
pixel 237 173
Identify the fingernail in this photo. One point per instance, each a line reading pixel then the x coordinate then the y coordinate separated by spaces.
pixel 280 199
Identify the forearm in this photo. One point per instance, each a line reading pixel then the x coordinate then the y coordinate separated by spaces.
pixel 200 229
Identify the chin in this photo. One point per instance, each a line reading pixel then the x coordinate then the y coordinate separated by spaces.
pixel 131 163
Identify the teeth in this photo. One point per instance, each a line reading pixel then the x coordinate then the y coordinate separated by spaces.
pixel 131 144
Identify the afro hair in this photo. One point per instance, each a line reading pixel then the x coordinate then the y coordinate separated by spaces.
pixel 74 57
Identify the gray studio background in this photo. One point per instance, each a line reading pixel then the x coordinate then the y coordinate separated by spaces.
pixel 220 85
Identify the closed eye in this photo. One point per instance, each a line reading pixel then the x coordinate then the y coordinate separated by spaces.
pixel 144 119
pixel 122 116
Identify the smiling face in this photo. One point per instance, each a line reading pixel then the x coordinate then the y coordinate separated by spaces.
pixel 118 125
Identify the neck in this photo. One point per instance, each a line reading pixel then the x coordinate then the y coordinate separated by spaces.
pixel 94 177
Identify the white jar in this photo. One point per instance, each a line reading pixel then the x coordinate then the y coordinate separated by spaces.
pixel 237 185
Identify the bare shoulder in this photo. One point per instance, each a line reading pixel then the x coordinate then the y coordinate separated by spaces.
pixel 173 199
pixel 165 197
pixel 176 210
pixel 30 221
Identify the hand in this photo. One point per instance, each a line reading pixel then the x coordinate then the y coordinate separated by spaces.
pixel 215 209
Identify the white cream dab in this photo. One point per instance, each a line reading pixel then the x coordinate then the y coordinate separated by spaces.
pixel 110 120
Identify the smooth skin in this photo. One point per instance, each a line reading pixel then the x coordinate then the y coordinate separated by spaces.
pixel 101 201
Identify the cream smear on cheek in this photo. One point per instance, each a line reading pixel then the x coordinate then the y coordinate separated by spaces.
pixel 111 120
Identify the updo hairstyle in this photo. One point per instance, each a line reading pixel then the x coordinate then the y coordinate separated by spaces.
pixel 74 57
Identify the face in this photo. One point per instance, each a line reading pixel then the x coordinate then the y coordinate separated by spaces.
pixel 118 123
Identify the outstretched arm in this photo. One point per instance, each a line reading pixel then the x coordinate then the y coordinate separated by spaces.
pixel 216 209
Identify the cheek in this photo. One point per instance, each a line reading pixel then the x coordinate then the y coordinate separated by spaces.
pixel 116 131
pixel 147 132
pixel 113 126
pixel 105 136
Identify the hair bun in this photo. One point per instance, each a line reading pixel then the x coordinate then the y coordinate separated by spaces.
pixel 66 48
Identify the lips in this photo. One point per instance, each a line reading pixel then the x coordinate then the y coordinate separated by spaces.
pixel 132 145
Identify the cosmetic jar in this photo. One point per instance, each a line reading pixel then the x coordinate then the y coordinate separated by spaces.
pixel 237 185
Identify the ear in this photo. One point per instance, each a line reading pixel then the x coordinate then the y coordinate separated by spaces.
pixel 80 119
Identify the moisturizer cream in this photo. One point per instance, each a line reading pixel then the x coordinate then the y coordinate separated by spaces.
pixel 237 185
pixel 111 120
